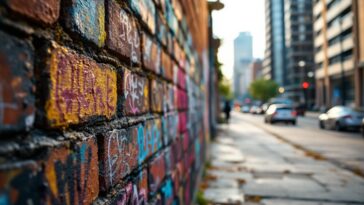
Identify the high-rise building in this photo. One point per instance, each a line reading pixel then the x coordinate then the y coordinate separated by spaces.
pixel 243 56
pixel 274 56
pixel 358 8
pixel 256 69
pixel 288 56
pixel 334 52
pixel 299 53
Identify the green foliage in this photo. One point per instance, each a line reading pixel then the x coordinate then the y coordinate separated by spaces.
pixel 263 90
pixel 200 199
pixel 225 89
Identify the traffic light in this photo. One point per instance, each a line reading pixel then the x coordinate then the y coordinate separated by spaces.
pixel 305 85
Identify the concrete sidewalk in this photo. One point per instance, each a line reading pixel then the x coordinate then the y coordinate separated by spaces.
pixel 250 166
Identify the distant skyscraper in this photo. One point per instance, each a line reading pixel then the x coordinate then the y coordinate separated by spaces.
pixel 288 56
pixel 243 56
pixel 273 64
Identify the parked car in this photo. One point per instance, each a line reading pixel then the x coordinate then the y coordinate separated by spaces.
pixel 245 108
pixel 265 107
pixel 340 118
pixel 280 113
pixel 255 109
pixel 300 109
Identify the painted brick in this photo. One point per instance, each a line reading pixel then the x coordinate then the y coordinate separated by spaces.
pixel 186 141
pixel 151 54
pixel 168 97
pixel 167 192
pixel 130 194
pixel 16 88
pixel 166 69
pixel 42 11
pixel 182 122
pixel 64 176
pixel 157 97
pixel 73 173
pixel 87 18
pixel 122 33
pixel 162 30
pixel 170 127
pixel 136 94
pixel 157 172
pixel 118 156
pixel 181 79
pixel 79 88
pixel 182 99
pixel 150 138
pixel 146 10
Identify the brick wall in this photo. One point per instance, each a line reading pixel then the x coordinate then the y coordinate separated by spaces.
pixel 102 101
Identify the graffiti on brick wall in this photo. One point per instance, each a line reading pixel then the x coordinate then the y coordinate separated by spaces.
pixel 123 35
pixel 157 172
pixel 16 99
pixel 149 138
pixel 67 178
pixel 136 93
pixel 87 17
pixel 151 54
pixel 157 97
pixel 131 195
pixel 80 88
pixel 146 10
pixel 118 153
pixel 167 192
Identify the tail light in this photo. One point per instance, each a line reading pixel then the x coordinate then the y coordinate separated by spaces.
pixel 294 113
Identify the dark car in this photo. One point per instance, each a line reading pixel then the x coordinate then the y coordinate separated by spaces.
pixel 340 118
pixel 300 109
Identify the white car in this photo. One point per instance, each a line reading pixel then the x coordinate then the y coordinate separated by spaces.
pixel 280 113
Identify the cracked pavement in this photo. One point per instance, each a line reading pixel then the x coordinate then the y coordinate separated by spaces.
pixel 253 167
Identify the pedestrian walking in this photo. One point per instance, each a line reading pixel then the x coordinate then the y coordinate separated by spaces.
pixel 227 110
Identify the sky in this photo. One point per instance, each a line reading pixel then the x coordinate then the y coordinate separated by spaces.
pixel 239 16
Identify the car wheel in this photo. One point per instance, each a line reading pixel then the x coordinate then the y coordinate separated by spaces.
pixel 321 125
pixel 338 126
pixel 271 122
pixel 294 122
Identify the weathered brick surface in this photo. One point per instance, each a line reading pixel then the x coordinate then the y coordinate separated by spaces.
pixel 157 96
pixel 41 11
pixel 151 54
pixel 79 88
pixel 16 87
pixel 87 18
pixel 118 156
pixel 123 34
pixel 64 176
pixel 136 93
pixel 102 101
pixel 157 172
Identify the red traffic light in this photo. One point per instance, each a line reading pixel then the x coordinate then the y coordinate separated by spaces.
pixel 305 85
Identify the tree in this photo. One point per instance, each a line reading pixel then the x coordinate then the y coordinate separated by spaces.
pixel 263 89
pixel 225 89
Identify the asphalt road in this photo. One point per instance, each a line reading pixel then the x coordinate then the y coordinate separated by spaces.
pixel 346 149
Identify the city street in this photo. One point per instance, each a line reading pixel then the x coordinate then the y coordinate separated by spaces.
pixel 258 164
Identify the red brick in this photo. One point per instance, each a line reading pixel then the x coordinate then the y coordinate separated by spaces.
pixel 167 69
pixel 123 36
pixel 79 88
pixel 136 94
pixel 64 176
pixel 118 155
pixel 157 172
pixel 41 11
pixel 151 54
pixel 16 88
pixel 87 18
pixel 157 97
pixel 182 122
